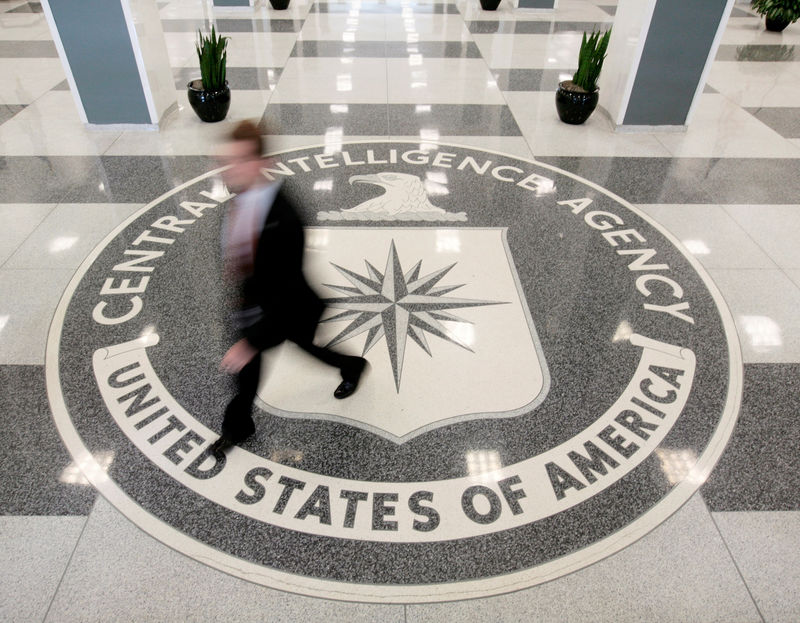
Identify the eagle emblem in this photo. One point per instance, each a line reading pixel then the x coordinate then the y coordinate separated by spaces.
pixel 405 199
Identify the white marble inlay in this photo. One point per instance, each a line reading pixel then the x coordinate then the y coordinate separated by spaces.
pixel 448 383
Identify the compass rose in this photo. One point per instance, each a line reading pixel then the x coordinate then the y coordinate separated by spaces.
pixel 396 305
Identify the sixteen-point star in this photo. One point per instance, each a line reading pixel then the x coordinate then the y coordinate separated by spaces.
pixel 397 305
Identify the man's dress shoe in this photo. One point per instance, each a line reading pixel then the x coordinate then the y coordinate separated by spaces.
pixel 348 387
pixel 221 445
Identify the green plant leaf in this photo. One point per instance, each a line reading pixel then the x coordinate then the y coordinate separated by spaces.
pixel 213 57
pixel 590 59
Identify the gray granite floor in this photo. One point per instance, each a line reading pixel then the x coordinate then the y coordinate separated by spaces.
pixel 727 190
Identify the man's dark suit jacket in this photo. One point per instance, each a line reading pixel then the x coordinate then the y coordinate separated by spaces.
pixel 290 309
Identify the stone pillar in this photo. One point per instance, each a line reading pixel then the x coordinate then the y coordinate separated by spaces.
pixel 658 59
pixel 115 58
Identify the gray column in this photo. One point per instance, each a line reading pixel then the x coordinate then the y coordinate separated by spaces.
pixel 658 59
pixel 115 58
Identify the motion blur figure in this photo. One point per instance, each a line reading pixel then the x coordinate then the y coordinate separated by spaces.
pixel 263 245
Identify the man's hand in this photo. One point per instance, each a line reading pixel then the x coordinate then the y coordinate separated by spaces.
pixel 238 356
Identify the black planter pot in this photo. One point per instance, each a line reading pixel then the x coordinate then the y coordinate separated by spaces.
pixel 575 106
pixel 279 5
pixel 776 25
pixel 490 5
pixel 209 105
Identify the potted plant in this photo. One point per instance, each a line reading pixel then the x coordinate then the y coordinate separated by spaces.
pixel 210 96
pixel 490 5
pixel 280 5
pixel 576 99
pixel 778 13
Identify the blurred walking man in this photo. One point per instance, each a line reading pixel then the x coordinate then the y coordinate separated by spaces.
pixel 264 243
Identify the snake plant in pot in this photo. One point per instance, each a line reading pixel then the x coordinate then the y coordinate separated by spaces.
pixel 210 95
pixel 576 99
pixel 778 13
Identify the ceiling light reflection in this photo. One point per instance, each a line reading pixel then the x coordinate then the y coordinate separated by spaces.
pixel 4 321
pixel 429 134
pixel 448 242
pixel 435 189
pixel 422 108
pixel 763 332
pixel 624 332
pixel 340 108
pixel 545 187
pixel 317 239
pixel 95 466
pixel 333 140
pixel 323 185
pixel 678 464
pixel 483 462
pixel 219 192
pixel 344 82
pixel 62 243
pixel 463 332
pixel 696 247
pixel 148 331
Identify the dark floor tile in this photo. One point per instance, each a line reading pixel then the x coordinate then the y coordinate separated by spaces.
pixel 28 7
pixel 531 27
pixel 239 78
pixel 452 120
pixel 689 180
pixel 611 10
pixel 580 26
pixel 135 179
pixel 530 79
pixel 259 25
pixel 759 53
pixel 61 86
pixel 89 179
pixel 8 110
pixel 737 12
pixel 339 49
pixel 28 49
pixel 760 468
pixel 37 474
pixel 434 49
pixel 785 121
pixel 504 27
pixel 386 49
pixel 317 119
pixel 233 25
pixel 385 8
pixel 39 179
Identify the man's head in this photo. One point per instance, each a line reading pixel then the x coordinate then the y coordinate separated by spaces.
pixel 244 153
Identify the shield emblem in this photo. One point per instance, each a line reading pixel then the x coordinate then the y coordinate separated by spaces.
pixel 441 318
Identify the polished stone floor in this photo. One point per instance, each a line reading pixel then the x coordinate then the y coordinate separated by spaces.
pixel 496 363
